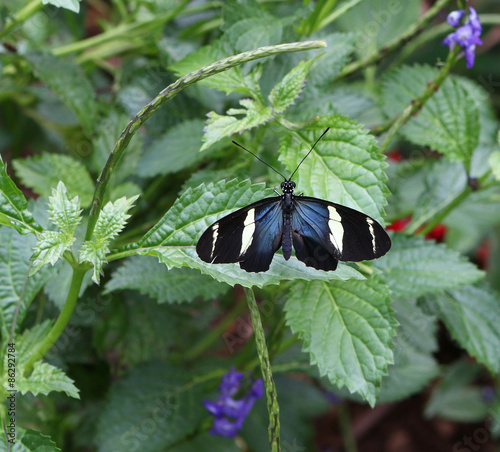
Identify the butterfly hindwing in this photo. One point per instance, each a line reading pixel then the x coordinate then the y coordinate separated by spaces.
pixel 250 236
pixel 324 233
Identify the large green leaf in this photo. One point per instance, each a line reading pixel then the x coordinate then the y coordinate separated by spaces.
pixel 416 267
pixel 472 315
pixel 155 404
pixel 345 166
pixel 16 289
pixel 13 206
pixel 43 172
pixel 173 238
pixel 29 441
pixel 149 277
pixel 254 32
pixel 347 328
pixel 70 83
pixel 449 120
pixel 72 5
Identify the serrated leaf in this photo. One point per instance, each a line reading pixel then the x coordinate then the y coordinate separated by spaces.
pixel 157 394
pixel 345 166
pixel 72 5
pixel 13 206
pixel 218 126
pixel 255 32
pixel 95 253
pixel 65 212
pixel 174 151
pixel 472 315
pixel 112 218
pixel 449 120
pixel 34 441
pixel 229 81
pixel 27 342
pixel 289 88
pixel 414 366
pixel 46 378
pixel 151 278
pixel 347 328
pixel 43 172
pixel 69 82
pixel 49 248
pixel 494 162
pixel 415 267
pixel 17 291
pixel 173 238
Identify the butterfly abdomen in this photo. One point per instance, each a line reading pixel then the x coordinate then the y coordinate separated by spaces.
pixel 287 206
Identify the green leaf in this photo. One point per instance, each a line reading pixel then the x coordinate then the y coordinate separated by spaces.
pixel 455 399
pixel 65 213
pixel 255 32
pixel 113 218
pixel 289 88
pixel 95 253
pixel 253 114
pixel 27 342
pixel 166 399
pixel 415 267
pixel 494 162
pixel 449 120
pixel 172 239
pixel 347 328
pixel 471 314
pixel 13 206
pixel 72 5
pixel 345 166
pixel 69 82
pixel 17 291
pixel 414 366
pixel 229 81
pixel 32 441
pixel 46 378
pixel 150 278
pixel 49 248
pixel 174 151
pixel 43 172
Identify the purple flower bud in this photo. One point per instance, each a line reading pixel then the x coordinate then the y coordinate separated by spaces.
pixel 229 413
pixel 455 17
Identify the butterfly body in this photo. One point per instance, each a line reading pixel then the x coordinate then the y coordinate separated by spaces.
pixel 321 232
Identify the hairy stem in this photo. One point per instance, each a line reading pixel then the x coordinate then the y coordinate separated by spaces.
pixel 168 93
pixel 265 367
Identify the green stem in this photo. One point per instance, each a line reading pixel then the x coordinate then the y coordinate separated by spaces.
pixel 417 104
pixel 61 322
pixel 265 367
pixel 18 18
pixel 346 430
pixel 396 43
pixel 168 93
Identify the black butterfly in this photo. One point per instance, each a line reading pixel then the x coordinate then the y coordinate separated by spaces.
pixel 322 232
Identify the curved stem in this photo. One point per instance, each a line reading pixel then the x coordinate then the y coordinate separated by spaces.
pixel 62 321
pixel 265 367
pixel 24 14
pixel 168 93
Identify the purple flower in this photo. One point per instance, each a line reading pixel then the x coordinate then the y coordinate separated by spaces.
pixel 466 36
pixel 229 414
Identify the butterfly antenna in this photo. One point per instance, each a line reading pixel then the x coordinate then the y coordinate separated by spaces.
pixel 258 158
pixel 322 135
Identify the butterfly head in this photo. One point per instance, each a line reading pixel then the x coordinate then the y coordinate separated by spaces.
pixel 288 186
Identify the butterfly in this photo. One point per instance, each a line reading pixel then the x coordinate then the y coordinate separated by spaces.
pixel 321 232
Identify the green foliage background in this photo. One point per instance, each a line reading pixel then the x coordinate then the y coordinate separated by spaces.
pixel 121 331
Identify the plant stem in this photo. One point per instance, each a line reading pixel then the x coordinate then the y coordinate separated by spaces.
pixel 168 93
pixel 18 18
pixel 265 367
pixel 345 429
pixel 381 53
pixel 417 104
pixel 62 321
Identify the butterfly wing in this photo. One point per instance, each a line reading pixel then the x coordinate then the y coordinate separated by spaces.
pixel 250 236
pixel 324 233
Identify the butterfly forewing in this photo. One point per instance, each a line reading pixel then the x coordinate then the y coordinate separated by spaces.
pixel 249 236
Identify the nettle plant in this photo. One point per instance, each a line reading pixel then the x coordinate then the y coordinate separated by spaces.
pixel 366 331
